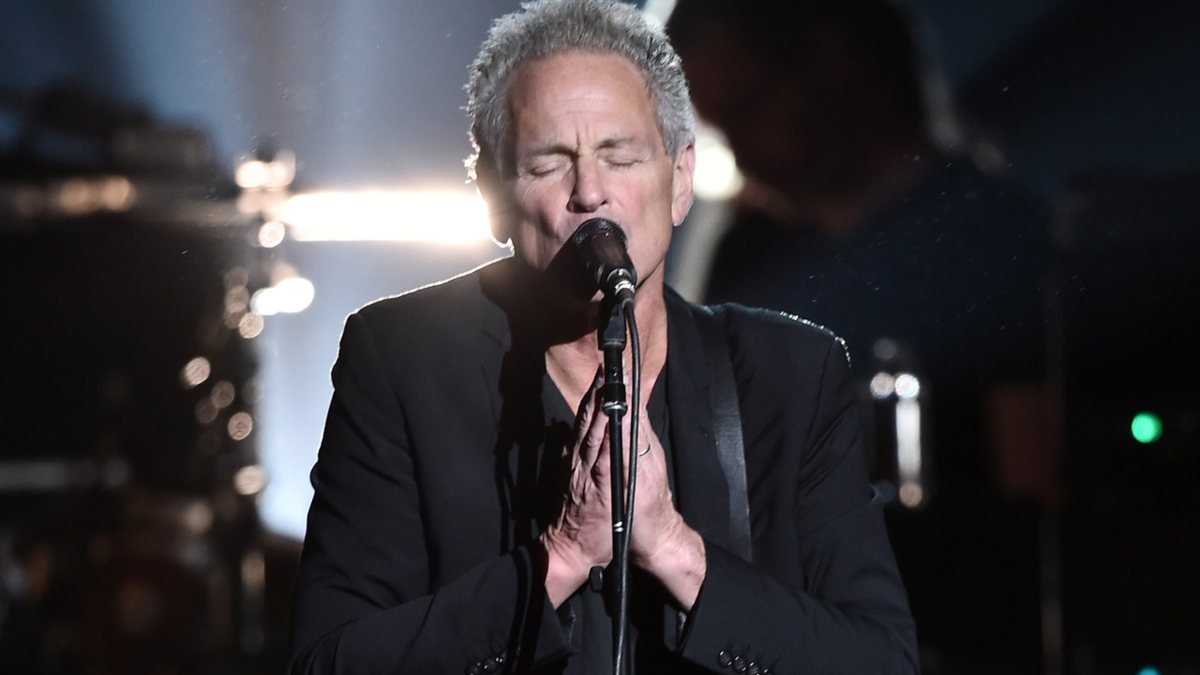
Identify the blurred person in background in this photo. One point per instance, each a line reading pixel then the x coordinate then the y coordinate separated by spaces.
pixel 862 212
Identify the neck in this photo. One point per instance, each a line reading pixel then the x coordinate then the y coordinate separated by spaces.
pixel 573 364
pixel 565 329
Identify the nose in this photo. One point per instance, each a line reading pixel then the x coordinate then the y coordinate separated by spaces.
pixel 588 193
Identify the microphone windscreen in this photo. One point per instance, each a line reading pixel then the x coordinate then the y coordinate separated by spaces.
pixel 604 247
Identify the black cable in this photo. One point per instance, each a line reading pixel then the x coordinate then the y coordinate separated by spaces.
pixel 636 400
pixel 622 562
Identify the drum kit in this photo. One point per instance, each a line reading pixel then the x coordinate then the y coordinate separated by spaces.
pixel 129 534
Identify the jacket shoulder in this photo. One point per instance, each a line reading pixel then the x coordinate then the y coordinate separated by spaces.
pixel 428 326
pixel 421 302
pixel 444 308
pixel 769 330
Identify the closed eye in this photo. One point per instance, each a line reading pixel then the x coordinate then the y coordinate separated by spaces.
pixel 623 152
pixel 621 160
pixel 544 168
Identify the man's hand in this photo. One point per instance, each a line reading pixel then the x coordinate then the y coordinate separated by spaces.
pixel 661 542
pixel 581 538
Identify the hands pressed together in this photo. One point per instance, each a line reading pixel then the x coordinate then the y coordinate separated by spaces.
pixel 661 543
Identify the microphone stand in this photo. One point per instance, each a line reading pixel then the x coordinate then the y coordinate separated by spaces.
pixel 612 338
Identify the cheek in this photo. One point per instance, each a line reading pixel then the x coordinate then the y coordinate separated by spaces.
pixel 534 218
pixel 540 202
pixel 657 198
pixel 655 226
pixel 532 244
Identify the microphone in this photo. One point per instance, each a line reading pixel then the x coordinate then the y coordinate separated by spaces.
pixel 602 245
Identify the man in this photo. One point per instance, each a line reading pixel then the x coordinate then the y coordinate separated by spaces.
pixel 462 498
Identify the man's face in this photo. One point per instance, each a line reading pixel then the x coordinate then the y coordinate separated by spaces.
pixel 585 144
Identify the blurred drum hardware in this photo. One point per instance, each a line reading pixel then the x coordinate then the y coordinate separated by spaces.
pixel 893 404
pixel 129 533
pixel 1127 291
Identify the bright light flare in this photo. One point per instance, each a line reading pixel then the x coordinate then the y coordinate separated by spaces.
pixel 271 234
pixel 256 174
pixel 883 385
pixel 1146 427
pixel 717 176
pixel 658 11
pixel 240 426
pixel 907 386
pixel 432 216
pixel 250 325
pixel 288 296
pixel 195 372
pixel 250 480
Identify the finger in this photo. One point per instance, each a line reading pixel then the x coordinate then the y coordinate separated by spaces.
pixel 593 423
pixel 595 444
pixel 645 434
pixel 587 406
pixel 586 410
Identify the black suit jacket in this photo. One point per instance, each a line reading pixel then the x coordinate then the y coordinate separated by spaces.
pixel 417 559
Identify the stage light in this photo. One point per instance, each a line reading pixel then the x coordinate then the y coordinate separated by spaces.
pixel 250 325
pixel 206 411
pixel 237 299
pixel 907 386
pixel 717 176
pixel 195 372
pixel 223 394
pixel 658 11
pixel 197 518
pixel 116 193
pixel 271 234
pixel 82 196
pixel 1146 427
pixel 240 426
pixel 1149 670
pixel 912 494
pixel 250 480
pixel 288 296
pixel 431 216
pixel 883 385
pixel 257 174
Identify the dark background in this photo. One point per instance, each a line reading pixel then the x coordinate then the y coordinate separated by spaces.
pixel 126 543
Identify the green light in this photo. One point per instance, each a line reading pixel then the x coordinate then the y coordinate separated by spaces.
pixel 1149 670
pixel 1146 427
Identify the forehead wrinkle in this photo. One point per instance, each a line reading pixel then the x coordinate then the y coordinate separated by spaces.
pixel 554 148
pixel 592 113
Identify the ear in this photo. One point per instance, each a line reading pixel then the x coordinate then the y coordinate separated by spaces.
pixel 487 181
pixel 681 183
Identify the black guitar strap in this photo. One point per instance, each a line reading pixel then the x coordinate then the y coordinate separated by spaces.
pixel 727 426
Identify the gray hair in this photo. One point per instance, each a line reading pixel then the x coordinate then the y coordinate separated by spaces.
pixel 546 27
